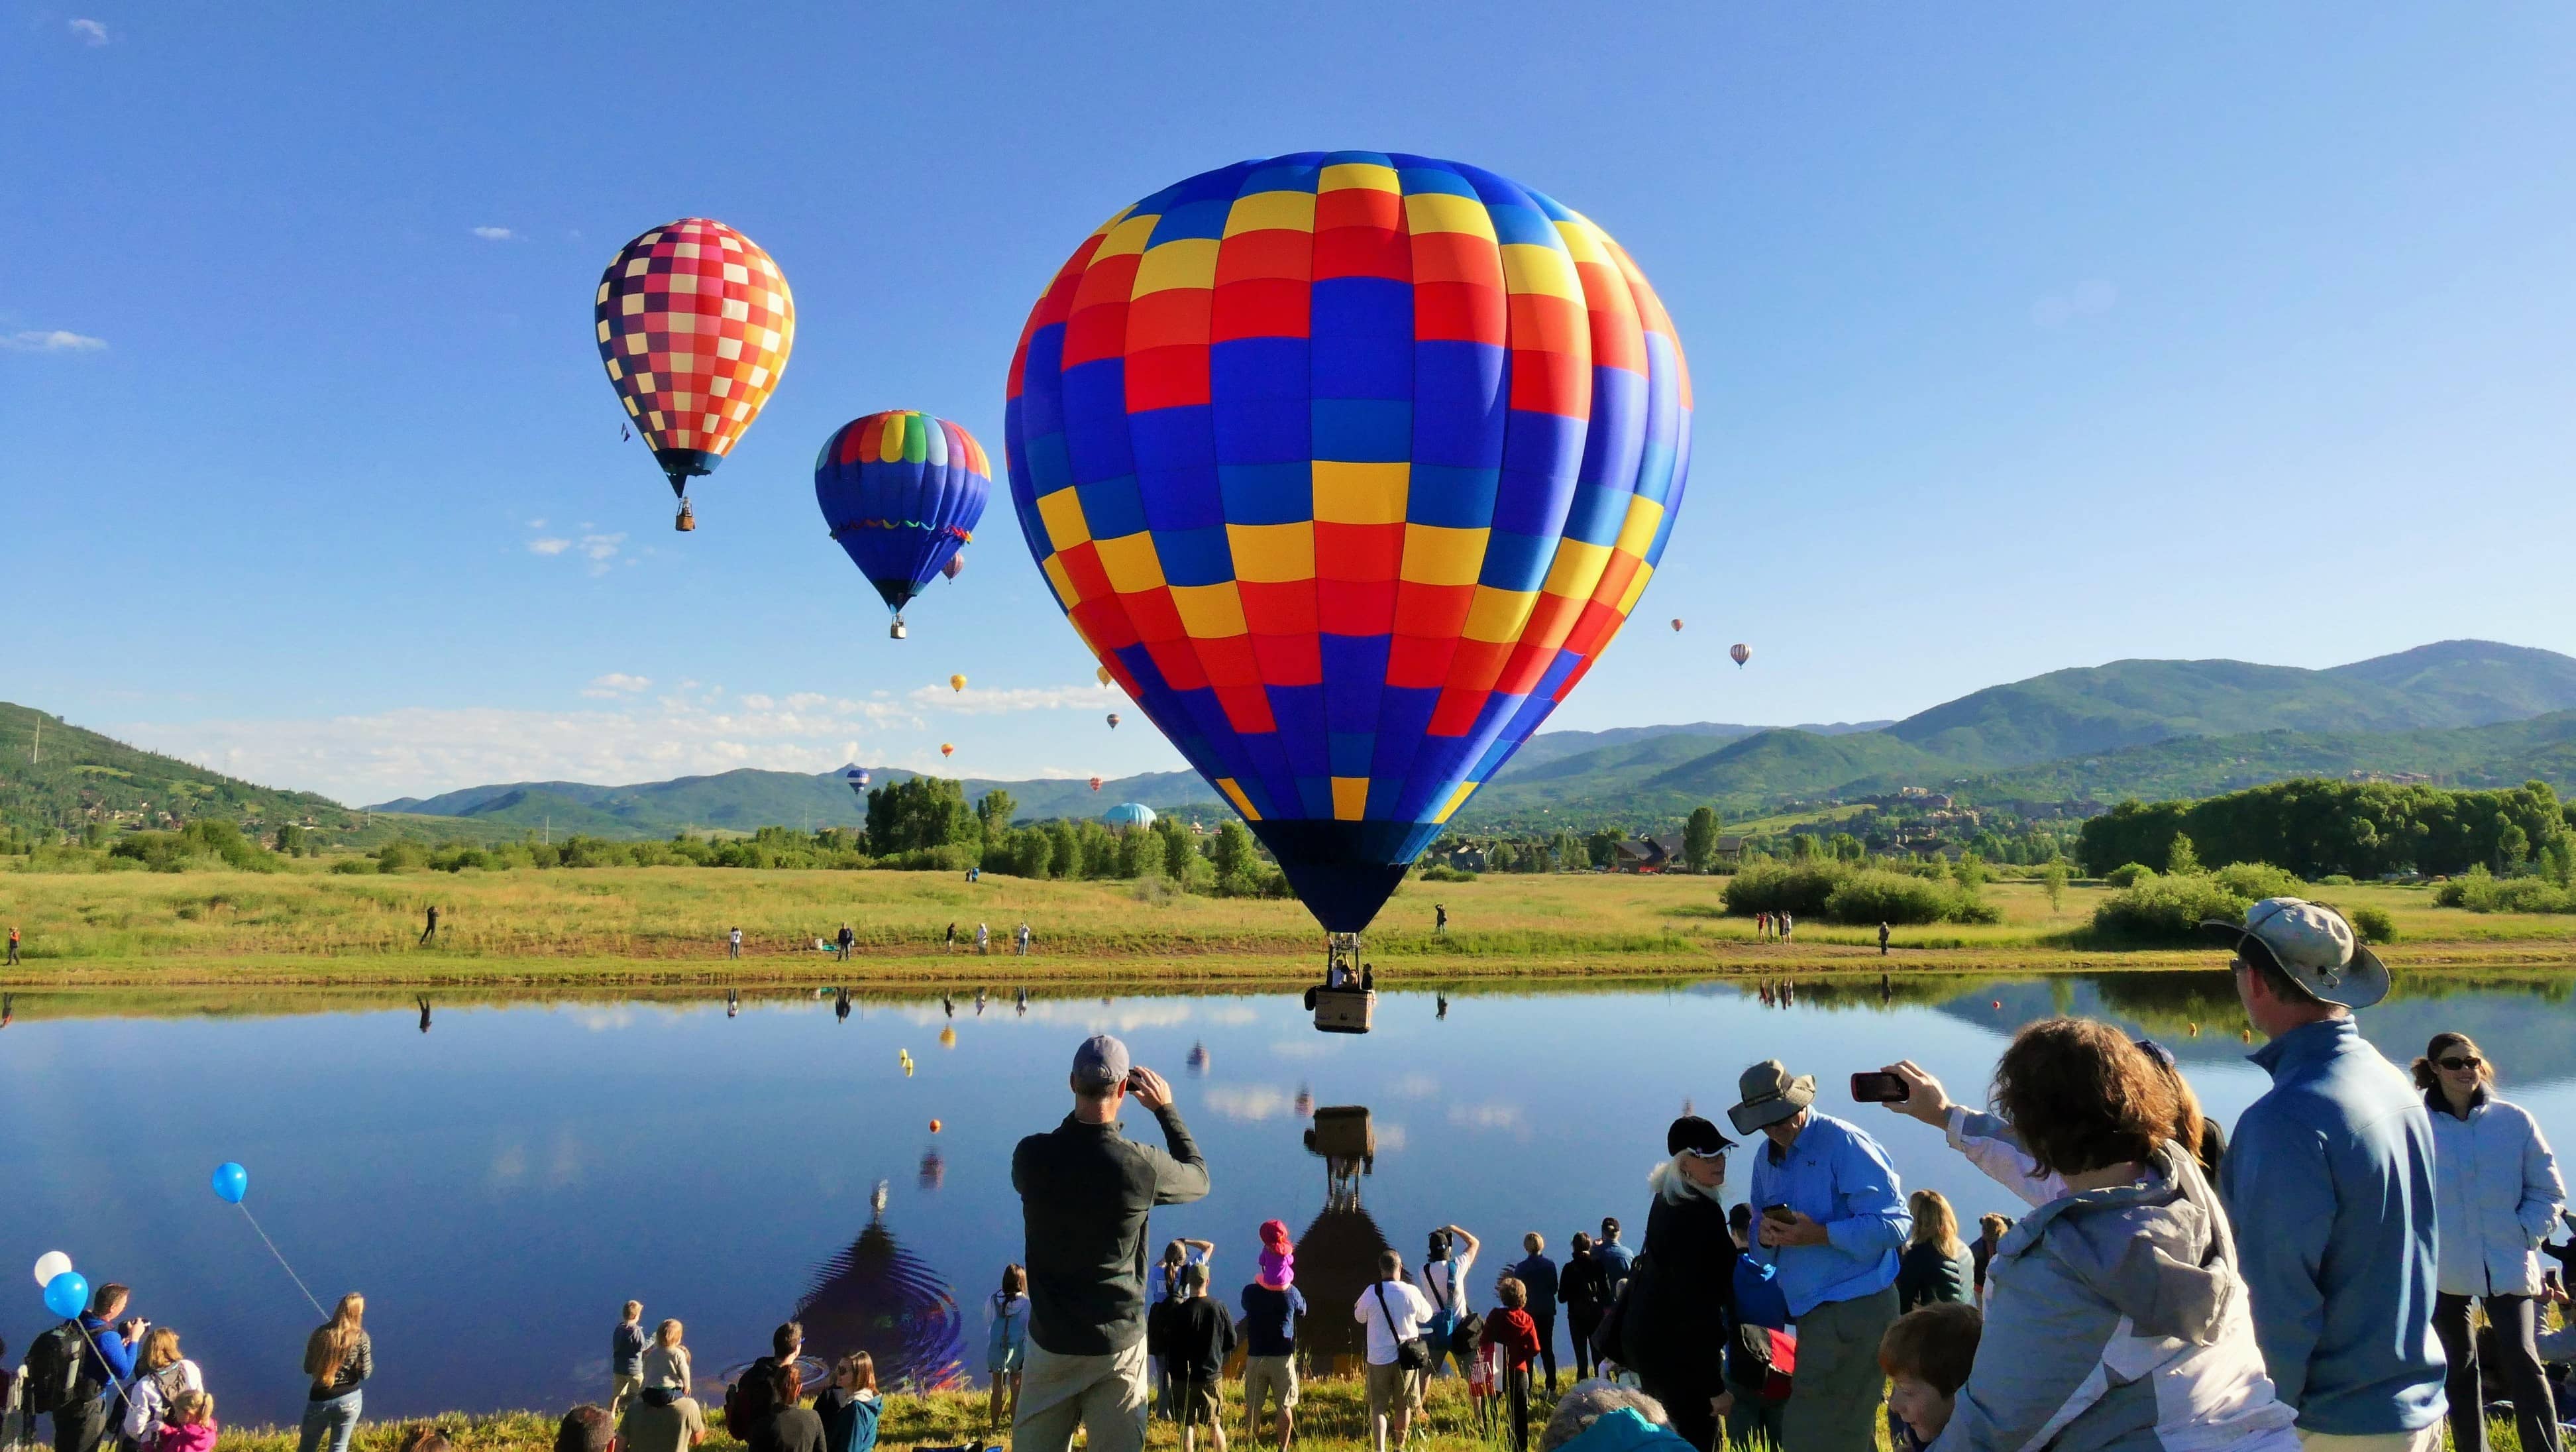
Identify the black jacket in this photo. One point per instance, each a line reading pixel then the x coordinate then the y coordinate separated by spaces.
pixel 1085 1190
pixel 1581 1286
pixel 1678 1324
pixel 1537 1275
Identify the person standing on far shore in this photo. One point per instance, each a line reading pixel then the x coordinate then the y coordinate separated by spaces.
pixel 1024 939
pixel 431 931
pixel 983 940
pixel 13 945
pixel 733 943
pixel 1882 940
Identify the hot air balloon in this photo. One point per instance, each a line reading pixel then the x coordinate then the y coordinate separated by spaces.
pixel 947 750
pixel 1677 626
pixel 902 491
pixel 956 565
pixel 695 324
pixel 1741 653
pixel 857 777
pixel 1353 463
pixel 1095 783
pixel 1103 673
pixel 956 683
pixel 1113 720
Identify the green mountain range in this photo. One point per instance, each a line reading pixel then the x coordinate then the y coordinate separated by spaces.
pixel 2469 713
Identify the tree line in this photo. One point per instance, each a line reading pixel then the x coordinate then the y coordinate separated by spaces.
pixel 2317 828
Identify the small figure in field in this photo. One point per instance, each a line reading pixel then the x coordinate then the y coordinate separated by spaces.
pixel 1439 917
pixel 733 943
pixel 846 939
pixel 13 945
pixel 423 1000
pixel 1788 925
pixel 1006 1351
pixel 983 940
pixel 1761 927
pixel 430 931
pixel 949 943
pixel 1024 952
pixel 1882 940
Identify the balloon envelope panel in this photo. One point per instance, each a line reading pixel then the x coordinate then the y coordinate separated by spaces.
pixel 1348 465
pixel 902 491
pixel 695 324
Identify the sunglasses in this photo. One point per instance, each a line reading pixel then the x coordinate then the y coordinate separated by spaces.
pixel 2457 1064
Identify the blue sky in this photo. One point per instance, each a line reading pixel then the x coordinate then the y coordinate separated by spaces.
pixel 2023 337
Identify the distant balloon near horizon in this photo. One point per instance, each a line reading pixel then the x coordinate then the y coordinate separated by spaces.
pixel 1103 673
pixel 1113 720
pixel 1129 814
pixel 957 683
pixel 947 750
pixel 694 325
pixel 1347 466
pixel 1741 653
pixel 1095 783
pixel 902 492
pixel 857 777
pixel 1677 626
pixel 956 565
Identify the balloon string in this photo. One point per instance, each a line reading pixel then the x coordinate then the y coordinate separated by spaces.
pixel 113 1385
pixel 281 1260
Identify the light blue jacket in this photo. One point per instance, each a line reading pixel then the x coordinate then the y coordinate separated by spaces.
pixel 1838 1176
pixel 2498 1190
pixel 2329 1182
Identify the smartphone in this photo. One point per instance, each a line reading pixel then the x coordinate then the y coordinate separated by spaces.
pixel 1779 1213
pixel 1879 1088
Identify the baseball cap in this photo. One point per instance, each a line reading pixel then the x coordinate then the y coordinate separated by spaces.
pixel 1101 1063
pixel 2313 945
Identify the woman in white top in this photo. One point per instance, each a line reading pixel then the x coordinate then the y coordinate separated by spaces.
pixel 2496 1193
pixel 160 1375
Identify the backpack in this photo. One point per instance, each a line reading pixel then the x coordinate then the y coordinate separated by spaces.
pixel 54 1368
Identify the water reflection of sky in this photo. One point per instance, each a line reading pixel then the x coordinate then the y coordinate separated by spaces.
pixel 499 1185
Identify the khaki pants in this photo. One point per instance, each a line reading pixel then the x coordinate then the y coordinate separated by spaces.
pixel 1268 1379
pixel 2427 1440
pixel 1840 1388
pixel 622 1391
pixel 1104 1396
pixel 1389 1387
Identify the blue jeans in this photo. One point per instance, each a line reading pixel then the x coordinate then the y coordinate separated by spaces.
pixel 327 1425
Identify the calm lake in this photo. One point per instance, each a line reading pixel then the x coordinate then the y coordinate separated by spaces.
pixel 498 1184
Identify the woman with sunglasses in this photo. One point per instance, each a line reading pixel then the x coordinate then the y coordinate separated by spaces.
pixel 1679 1311
pixel 2497 1194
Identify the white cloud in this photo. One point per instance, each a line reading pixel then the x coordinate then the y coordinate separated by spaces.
pixel 536 524
pixel 1486 1116
pixel 1417 1086
pixel 495 234
pixel 757 703
pixel 548 546
pixel 615 684
pixel 598 549
pixel 54 340
pixel 976 701
pixel 2087 299
pixel 90 32
pixel 1249 1102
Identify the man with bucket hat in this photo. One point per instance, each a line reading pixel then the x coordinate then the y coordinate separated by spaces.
pixel 1085 1191
pixel 2329 1181
pixel 1830 1215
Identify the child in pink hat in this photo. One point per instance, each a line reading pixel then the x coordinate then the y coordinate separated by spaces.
pixel 1278 1256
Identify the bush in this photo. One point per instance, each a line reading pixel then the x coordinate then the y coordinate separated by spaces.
pixel 354 866
pixel 2255 881
pixel 2128 874
pixel 1443 872
pixel 2168 909
pixel 2335 879
pixel 1800 889
pixel 2373 924
pixel 1893 897
pixel 952 858
pixel 2483 892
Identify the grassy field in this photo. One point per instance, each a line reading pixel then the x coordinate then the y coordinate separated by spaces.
pixel 631 926
pixel 1331 1417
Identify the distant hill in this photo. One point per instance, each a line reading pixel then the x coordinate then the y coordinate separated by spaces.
pixel 85 777
pixel 1551 746
pixel 2481 679
pixel 2506 753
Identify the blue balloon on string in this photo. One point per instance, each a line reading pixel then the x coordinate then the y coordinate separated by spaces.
pixel 231 1182
pixel 67 1295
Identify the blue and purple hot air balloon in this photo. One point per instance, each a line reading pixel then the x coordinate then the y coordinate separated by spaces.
pixel 1348 465
pixel 902 491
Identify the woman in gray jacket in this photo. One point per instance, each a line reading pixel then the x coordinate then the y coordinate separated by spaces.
pixel 2116 1316
pixel 2496 1192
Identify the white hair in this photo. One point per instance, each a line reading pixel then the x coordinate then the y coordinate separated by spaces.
pixel 1676 1188
pixel 1589 1401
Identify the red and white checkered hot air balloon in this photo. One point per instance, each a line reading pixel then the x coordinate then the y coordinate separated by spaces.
pixel 695 323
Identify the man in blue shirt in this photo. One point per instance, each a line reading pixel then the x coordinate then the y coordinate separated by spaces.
pixel 106 1363
pixel 1269 1328
pixel 2329 1180
pixel 1832 1220
pixel 1616 1259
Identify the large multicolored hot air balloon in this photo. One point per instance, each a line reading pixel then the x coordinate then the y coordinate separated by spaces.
pixel 695 324
pixel 902 492
pixel 1347 465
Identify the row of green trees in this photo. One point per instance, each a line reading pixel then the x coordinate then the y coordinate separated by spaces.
pixel 2362 829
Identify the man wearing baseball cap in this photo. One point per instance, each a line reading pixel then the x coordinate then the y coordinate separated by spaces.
pixel 1085 1191
pixel 2329 1182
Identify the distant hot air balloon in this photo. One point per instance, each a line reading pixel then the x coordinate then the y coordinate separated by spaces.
pixel 902 491
pixel 1677 625
pixel 1113 720
pixel 694 324
pixel 1103 673
pixel 1095 783
pixel 947 750
pixel 1741 653
pixel 1260 417
pixel 956 565
pixel 857 777
pixel 956 683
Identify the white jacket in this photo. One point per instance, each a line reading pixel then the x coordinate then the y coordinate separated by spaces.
pixel 2496 1192
pixel 148 1398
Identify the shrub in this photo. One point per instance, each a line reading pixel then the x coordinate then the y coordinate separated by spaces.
pixel 1894 897
pixel 2483 892
pixel 1443 872
pixel 2335 879
pixel 2373 924
pixel 1774 887
pixel 2255 881
pixel 2168 909
pixel 401 857
pixel 2128 874
pixel 353 866
pixel 951 858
